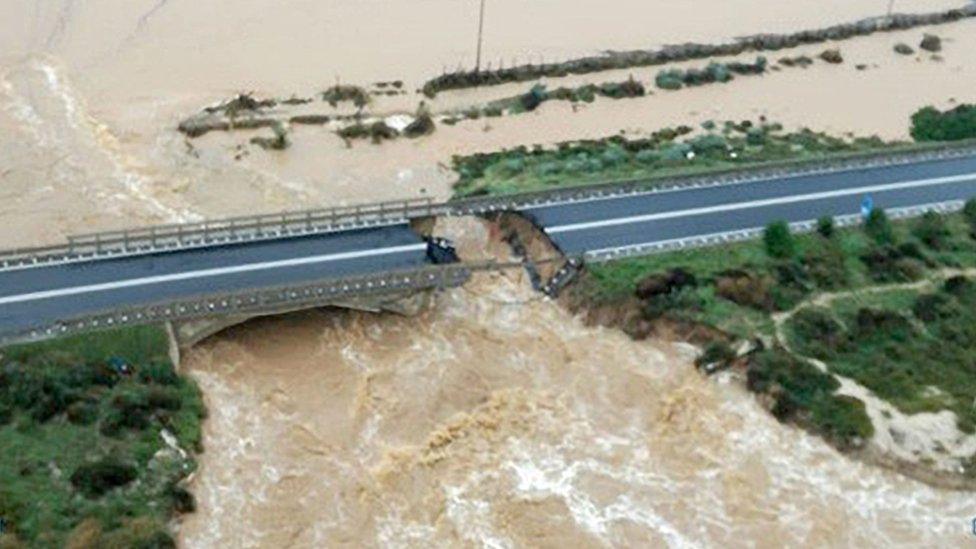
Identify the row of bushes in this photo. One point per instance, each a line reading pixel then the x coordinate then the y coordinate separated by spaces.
pixel 673 79
pixel 930 124
pixel 685 52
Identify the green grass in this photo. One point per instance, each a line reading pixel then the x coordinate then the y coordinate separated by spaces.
pixel 917 364
pixel 62 406
pixel 921 364
pixel 661 155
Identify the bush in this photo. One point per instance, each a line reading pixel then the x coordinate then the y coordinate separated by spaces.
pixel 819 332
pixel 161 373
pixel 826 227
pixel 878 227
pixel 531 100
pixel 671 79
pixel 423 123
pixel 826 265
pixel 969 213
pixel 932 307
pixel 95 479
pixel 932 230
pixel 82 413
pixel 778 240
pixel 804 394
pixel 339 93
pixel 717 352
pixel 746 289
pixel 930 124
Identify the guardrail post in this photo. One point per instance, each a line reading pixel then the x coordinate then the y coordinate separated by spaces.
pixel 308 220
pixel 98 244
pixel 152 237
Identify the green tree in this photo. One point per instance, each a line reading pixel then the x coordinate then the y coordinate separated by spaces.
pixel 779 240
pixel 878 227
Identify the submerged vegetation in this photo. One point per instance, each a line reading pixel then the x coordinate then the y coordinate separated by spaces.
pixel 661 154
pixel 685 52
pixel 83 427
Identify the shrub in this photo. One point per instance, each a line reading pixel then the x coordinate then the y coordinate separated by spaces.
pixel 936 306
pixel 827 266
pixel 719 72
pixel 531 100
pixel 969 213
pixel 82 413
pixel 746 289
pixel 826 227
pixel 95 479
pixel 819 332
pixel 671 79
pixel 878 227
pixel 778 240
pixel 803 393
pixel 930 124
pixel 339 93
pixel 423 123
pixel 931 229
pixel 161 373
pixel 717 352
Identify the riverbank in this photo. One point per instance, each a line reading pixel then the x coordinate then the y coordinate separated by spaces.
pixel 831 335
pixel 98 433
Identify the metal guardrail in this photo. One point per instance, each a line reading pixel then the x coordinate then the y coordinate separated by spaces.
pixel 717 239
pixel 254 301
pixel 297 223
pixel 264 300
pixel 218 232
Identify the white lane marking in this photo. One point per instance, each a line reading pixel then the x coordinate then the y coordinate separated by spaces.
pixel 204 273
pixel 747 179
pixel 759 203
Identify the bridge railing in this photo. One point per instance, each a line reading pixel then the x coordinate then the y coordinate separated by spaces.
pixel 265 300
pixel 221 231
pixel 295 223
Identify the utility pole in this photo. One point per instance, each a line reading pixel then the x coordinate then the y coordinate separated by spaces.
pixel 481 28
pixel 891 6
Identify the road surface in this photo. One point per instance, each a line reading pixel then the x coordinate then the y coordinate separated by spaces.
pixel 36 297
pixel 653 217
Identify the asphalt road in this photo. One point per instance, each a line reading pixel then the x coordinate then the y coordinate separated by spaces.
pixel 38 296
pixel 35 297
pixel 653 217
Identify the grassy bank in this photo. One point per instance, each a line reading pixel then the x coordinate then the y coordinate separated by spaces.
pixel 910 346
pixel 668 152
pixel 84 461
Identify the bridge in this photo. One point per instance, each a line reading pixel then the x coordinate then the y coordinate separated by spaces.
pixel 370 257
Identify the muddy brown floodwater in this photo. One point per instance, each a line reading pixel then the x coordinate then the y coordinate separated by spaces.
pixel 496 419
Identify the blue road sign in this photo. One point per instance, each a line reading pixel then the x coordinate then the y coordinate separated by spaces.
pixel 866 206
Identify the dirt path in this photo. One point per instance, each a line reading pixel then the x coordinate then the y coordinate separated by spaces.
pixel 931 439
